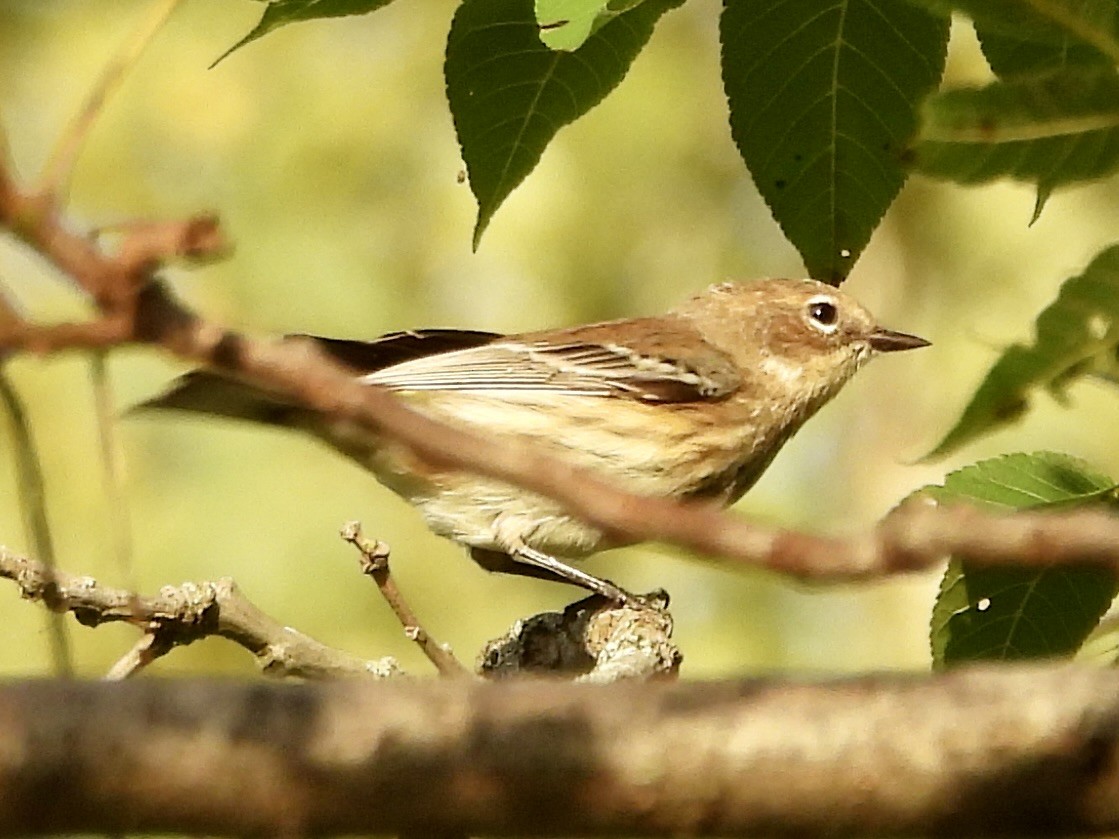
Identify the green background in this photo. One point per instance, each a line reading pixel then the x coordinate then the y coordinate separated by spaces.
pixel 328 151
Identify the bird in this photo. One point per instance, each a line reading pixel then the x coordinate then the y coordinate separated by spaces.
pixel 692 404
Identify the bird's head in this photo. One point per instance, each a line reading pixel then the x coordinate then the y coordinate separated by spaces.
pixel 799 338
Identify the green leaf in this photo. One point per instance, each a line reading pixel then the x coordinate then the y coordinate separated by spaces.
pixel 823 97
pixel 1077 334
pixel 509 94
pixel 1027 37
pixel 282 12
pixel 1009 613
pixel 1052 22
pixel 1052 130
pixel 1010 56
pixel 566 24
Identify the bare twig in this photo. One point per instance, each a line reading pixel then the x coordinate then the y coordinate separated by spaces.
pixel 148 244
pixel 111 467
pixel 180 615
pixel 375 564
pixel 980 752
pixel 60 166
pixel 152 645
pixel 9 314
pixel 49 338
pixel 33 505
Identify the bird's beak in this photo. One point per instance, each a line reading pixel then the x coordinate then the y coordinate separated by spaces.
pixel 885 340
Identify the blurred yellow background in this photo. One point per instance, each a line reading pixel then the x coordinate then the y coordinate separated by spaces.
pixel 329 153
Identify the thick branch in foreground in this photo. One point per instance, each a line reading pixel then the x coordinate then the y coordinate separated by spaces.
pixel 981 752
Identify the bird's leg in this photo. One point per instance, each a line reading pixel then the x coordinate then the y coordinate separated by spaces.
pixel 529 556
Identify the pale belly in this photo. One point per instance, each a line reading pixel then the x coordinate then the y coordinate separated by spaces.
pixel 630 450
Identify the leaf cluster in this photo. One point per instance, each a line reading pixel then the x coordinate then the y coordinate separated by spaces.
pixel 822 98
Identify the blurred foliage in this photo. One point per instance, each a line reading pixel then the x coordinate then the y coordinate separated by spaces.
pixel 1056 23
pixel 1077 335
pixel 1051 130
pixel 1011 613
pixel 330 153
pixel 1052 115
pixel 1010 55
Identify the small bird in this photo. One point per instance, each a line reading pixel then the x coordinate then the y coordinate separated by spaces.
pixel 693 404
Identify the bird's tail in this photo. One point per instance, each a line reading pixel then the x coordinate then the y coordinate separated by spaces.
pixel 201 392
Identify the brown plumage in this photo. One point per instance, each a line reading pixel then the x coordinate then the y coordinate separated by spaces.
pixel 693 403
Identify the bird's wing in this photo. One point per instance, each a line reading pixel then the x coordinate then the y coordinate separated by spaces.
pixel 569 363
pixel 398 347
pixel 206 392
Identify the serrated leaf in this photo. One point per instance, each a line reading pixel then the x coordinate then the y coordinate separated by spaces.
pixel 282 12
pixel 566 24
pixel 1009 613
pixel 509 94
pixel 1025 37
pixel 1039 21
pixel 1010 56
pixel 1076 335
pixel 1051 129
pixel 823 97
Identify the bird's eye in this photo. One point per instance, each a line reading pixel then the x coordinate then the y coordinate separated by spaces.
pixel 823 314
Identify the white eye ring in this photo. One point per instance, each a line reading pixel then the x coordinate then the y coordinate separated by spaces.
pixel 823 314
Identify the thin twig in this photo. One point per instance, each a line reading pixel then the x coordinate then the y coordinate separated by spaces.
pixel 10 316
pixel 56 174
pixel 115 498
pixel 181 615
pixel 51 338
pixel 33 504
pixel 375 564
pixel 143 652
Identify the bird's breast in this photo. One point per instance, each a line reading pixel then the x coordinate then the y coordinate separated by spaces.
pixel 711 450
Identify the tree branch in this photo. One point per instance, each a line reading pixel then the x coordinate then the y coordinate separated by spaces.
pixel 138 310
pixel 181 615
pixel 1007 751
pixel 56 175
pixel 593 640
pixel 375 565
